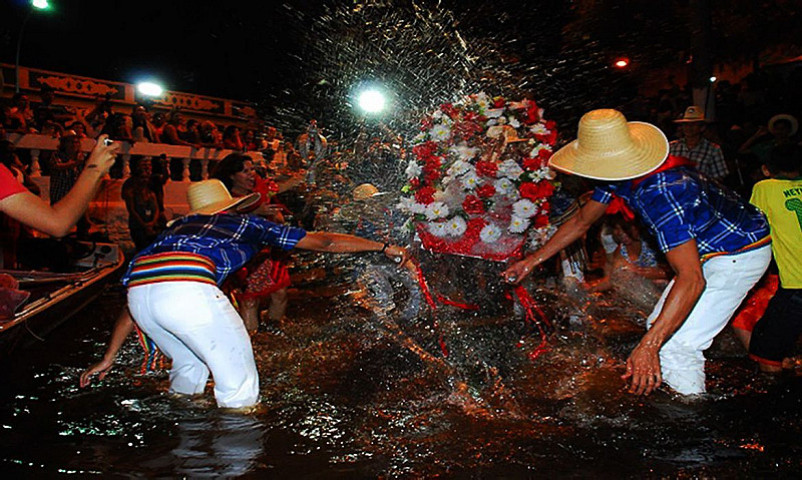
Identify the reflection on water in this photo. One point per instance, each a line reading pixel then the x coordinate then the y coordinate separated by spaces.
pixel 348 392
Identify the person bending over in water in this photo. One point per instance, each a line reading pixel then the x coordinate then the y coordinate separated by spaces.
pixel 174 298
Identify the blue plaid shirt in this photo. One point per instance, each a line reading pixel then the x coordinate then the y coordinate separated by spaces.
pixel 679 205
pixel 228 240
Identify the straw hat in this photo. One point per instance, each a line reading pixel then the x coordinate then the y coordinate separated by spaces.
pixel 610 148
pixel 364 191
pixel 692 114
pixel 788 118
pixel 208 197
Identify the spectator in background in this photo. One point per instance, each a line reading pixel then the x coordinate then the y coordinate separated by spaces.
pixel 158 124
pixel 47 112
pixel 142 129
pixel 707 155
pixel 191 132
pixel 142 204
pixel 19 116
pixel 782 129
pixel 232 140
pixel 210 136
pixel 65 165
pixel 118 128
pixel 170 134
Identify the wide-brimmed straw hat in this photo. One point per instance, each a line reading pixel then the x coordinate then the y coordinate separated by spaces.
pixel 610 148
pixel 364 191
pixel 788 118
pixel 692 114
pixel 208 197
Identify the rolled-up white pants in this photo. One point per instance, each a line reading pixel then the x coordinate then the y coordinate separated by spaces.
pixel 197 327
pixel 729 278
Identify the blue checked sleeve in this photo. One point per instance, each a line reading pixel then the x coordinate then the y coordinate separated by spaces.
pixel 664 207
pixel 603 194
pixel 275 235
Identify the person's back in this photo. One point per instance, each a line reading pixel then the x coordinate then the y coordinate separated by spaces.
pixel 780 198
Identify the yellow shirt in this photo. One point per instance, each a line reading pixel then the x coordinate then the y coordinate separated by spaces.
pixel 781 200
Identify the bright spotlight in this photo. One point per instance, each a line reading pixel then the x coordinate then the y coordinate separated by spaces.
pixel 371 101
pixel 150 89
pixel 621 62
pixel 713 79
pixel 40 4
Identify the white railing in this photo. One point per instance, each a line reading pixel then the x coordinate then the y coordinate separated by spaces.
pixel 38 143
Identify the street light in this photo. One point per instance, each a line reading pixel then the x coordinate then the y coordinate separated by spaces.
pixel 37 5
pixel 371 101
pixel 150 89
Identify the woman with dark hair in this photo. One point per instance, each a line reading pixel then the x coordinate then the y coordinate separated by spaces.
pixel 266 275
pixel 231 138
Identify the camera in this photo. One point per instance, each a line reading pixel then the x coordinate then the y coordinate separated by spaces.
pixel 107 141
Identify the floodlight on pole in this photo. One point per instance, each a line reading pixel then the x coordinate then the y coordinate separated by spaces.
pixel 622 62
pixel 150 89
pixel 41 5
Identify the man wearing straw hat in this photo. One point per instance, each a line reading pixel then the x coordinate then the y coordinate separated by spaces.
pixel 707 155
pixel 173 292
pixel 717 244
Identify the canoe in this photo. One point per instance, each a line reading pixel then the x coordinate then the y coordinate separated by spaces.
pixel 55 297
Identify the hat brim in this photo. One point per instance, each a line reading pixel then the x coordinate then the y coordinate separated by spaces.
pixel 789 118
pixel 240 203
pixel 690 120
pixel 649 150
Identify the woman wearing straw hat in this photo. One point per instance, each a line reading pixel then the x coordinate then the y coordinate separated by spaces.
pixel 717 244
pixel 173 292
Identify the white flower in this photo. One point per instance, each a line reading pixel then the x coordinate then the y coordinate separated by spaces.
pixel 510 169
pixel 482 101
pixel 413 169
pixel 539 129
pixel 514 123
pixel 490 233
pixel 436 210
pixel 456 226
pixel 408 204
pixel 504 186
pixel 438 229
pixel 464 152
pixel 542 235
pixel 540 146
pixel 419 138
pixel 524 208
pixel 494 113
pixel 470 180
pixel 458 168
pixel 440 132
pixel 518 224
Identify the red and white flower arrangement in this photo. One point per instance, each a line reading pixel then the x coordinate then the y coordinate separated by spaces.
pixel 478 183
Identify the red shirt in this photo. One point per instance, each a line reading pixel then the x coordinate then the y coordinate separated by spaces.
pixel 8 184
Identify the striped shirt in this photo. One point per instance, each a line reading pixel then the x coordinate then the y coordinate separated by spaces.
pixel 227 241
pixel 679 205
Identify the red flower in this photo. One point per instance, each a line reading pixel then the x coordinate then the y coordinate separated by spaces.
pixel 541 221
pixel 537 191
pixel 532 113
pixel 425 150
pixel 544 155
pixel 548 139
pixel 486 191
pixel 473 205
pixel 425 195
pixel 551 124
pixel 486 169
pixel 449 110
pixel 414 183
pixel 431 175
pixel 498 102
pixel 532 164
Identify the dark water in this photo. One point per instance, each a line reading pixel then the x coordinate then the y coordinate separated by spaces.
pixel 347 394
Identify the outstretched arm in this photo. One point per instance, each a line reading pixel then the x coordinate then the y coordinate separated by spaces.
pixel 343 243
pixel 122 328
pixel 58 219
pixel 567 234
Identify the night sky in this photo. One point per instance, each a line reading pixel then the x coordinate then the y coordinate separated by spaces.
pixel 299 59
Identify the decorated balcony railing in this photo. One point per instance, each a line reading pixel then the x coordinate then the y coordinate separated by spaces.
pixel 39 143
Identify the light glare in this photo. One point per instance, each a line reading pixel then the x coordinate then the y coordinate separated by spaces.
pixel 371 101
pixel 713 79
pixel 41 4
pixel 150 89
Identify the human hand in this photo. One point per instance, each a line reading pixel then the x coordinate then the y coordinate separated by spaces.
pixel 517 272
pixel 102 156
pixel 397 254
pixel 643 369
pixel 102 368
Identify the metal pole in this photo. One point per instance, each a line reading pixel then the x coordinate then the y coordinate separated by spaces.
pixel 19 45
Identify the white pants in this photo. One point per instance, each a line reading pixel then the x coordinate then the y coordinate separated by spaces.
pixel 729 278
pixel 197 327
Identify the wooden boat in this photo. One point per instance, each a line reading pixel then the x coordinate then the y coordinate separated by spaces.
pixel 55 296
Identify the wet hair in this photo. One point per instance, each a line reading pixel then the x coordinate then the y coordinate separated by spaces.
pixel 228 166
pixel 784 159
